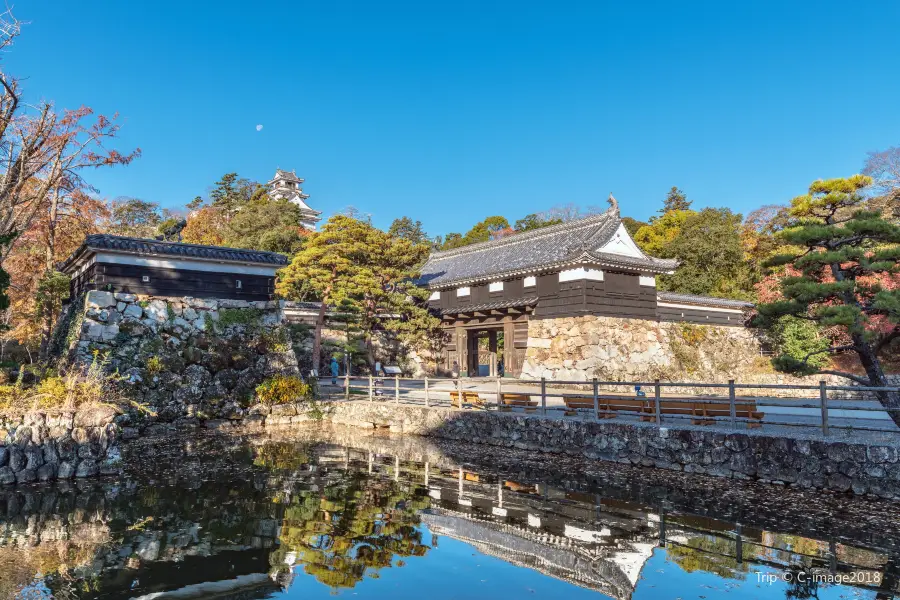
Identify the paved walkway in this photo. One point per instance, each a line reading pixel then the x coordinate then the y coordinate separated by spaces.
pixel 856 420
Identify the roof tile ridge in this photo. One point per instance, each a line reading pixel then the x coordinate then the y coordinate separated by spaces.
pixel 524 236
pixel 178 244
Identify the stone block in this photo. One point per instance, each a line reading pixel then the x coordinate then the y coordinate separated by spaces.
pixel 99 299
pixel 87 468
pixel 124 297
pixel 109 333
pixel 26 476
pixel 7 476
pixel 66 470
pixel 133 311
pixel 157 310
pixel 97 416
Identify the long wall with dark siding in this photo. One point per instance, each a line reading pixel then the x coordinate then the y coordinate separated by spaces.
pixel 618 295
pixel 166 282
pixel 700 316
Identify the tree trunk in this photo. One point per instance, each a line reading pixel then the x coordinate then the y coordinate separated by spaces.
pixel 370 351
pixel 317 338
pixel 889 400
pixel 47 309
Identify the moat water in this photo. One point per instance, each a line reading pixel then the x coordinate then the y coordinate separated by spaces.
pixel 318 516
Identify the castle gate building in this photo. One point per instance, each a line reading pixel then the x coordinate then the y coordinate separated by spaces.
pixel 487 293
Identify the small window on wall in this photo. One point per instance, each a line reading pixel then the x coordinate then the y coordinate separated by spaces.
pixel 237 284
pixel 530 281
pixel 462 292
pixel 495 286
pixel 145 278
pixel 435 296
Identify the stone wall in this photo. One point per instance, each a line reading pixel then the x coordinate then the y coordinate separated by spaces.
pixel 616 349
pixel 810 462
pixel 41 446
pixel 181 358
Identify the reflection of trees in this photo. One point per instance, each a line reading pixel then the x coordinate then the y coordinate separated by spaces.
pixel 280 456
pixel 350 529
pixel 710 554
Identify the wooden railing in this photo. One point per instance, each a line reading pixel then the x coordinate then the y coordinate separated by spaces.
pixel 732 405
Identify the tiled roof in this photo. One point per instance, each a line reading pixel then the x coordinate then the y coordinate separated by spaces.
pixel 286 175
pixel 529 301
pixel 145 247
pixel 575 241
pixel 702 300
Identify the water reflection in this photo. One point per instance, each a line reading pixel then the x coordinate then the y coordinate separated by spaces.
pixel 312 518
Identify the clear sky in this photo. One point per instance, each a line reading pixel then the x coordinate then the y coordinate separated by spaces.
pixel 451 111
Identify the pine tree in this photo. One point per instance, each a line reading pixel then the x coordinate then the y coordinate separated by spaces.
pixel 368 273
pixel 842 252
pixel 675 200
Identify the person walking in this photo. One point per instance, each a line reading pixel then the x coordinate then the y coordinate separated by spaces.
pixel 335 370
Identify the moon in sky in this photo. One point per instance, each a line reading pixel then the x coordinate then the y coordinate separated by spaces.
pixel 259 127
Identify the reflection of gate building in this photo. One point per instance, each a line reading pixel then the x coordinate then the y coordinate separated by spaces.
pixel 486 293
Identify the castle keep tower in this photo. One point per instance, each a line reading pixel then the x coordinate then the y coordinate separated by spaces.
pixel 286 185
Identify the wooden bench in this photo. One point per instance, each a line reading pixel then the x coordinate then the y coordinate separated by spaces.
pixel 508 401
pixel 707 413
pixel 467 397
pixel 701 411
pixel 609 405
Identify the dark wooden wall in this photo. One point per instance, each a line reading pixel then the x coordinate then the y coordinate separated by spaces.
pixel 700 316
pixel 618 295
pixel 513 289
pixel 168 282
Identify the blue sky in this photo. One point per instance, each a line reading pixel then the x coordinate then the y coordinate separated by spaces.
pixel 452 111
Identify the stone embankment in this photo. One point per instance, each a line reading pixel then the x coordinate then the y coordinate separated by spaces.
pixel 62 445
pixel 183 358
pixel 809 463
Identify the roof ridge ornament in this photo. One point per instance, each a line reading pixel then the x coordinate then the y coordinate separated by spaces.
pixel 613 203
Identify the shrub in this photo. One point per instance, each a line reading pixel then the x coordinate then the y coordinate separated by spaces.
pixel 794 339
pixel 154 365
pixel 65 390
pixel 239 316
pixel 283 389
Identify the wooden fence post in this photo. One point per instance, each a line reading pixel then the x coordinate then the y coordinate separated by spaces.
pixel 656 402
pixel 371 389
pixel 397 389
pixel 596 400
pixel 823 399
pixel 427 399
pixel 543 395
pixel 459 398
pixel 346 386
pixel 499 391
pixel 731 406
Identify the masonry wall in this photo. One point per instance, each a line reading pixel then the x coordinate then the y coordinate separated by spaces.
pixel 180 358
pixel 810 462
pixel 622 349
pixel 45 446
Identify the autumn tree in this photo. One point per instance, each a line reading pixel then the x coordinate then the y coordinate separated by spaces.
pixel 37 289
pixel 205 226
pixel 45 151
pixel 133 217
pixel 841 253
